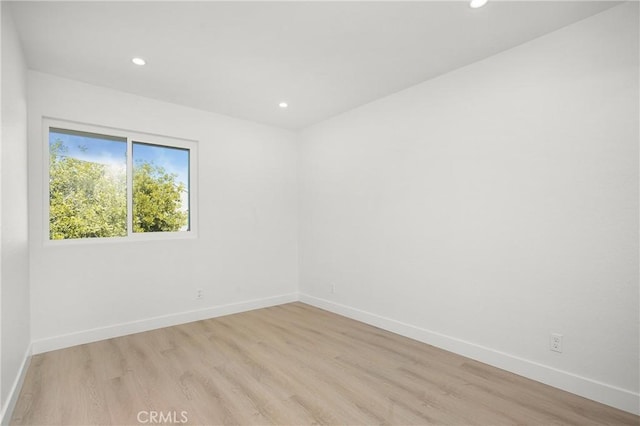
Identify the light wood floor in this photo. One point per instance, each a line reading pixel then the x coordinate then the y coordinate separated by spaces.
pixel 291 364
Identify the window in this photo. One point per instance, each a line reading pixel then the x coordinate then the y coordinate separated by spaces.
pixel 160 188
pixel 107 183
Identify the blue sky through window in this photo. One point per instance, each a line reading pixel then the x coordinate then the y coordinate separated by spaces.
pixel 173 160
pixel 93 148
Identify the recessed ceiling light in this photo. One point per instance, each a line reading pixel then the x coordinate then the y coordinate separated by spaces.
pixel 283 104
pixel 138 61
pixel 477 3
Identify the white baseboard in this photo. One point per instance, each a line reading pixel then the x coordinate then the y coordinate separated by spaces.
pixel 601 392
pixel 117 330
pixel 14 392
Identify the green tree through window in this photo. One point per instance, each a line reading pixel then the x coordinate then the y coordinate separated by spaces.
pixel 86 199
pixel 157 200
pixel 88 188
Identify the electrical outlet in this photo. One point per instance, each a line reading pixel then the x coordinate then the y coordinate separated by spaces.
pixel 333 288
pixel 555 342
pixel 199 294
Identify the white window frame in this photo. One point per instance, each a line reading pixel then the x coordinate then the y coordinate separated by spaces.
pixel 131 137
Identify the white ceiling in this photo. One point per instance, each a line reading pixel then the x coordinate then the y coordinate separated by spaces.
pixel 243 58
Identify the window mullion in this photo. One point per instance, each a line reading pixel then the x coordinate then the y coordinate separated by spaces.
pixel 129 186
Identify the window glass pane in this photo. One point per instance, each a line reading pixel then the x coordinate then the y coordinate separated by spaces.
pixel 160 188
pixel 87 185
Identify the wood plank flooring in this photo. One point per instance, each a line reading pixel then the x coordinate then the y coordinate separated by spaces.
pixel 288 365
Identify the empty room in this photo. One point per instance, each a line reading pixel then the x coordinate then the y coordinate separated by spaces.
pixel 329 212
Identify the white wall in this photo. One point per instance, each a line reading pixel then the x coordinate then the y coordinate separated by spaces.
pixel 247 245
pixel 15 333
pixel 491 206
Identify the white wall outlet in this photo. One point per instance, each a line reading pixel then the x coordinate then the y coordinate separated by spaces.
pixel 199 294
pixel 333 288
pixel 555 342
